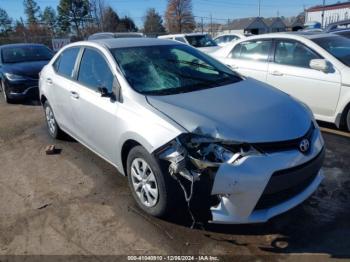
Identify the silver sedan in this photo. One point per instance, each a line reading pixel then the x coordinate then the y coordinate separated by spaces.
pixel 174 119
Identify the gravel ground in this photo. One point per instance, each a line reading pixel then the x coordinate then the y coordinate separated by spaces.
pixel 75 203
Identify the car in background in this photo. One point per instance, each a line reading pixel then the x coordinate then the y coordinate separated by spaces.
pixel 224 39
pixel 20 65
pixel 313 67
pixel 172 118
pixel 203 42
pixel 343 32
pixel 104 35
pixel 338 26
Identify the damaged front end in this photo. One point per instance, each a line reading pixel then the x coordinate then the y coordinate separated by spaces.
pixel 232 177
pixel 196 159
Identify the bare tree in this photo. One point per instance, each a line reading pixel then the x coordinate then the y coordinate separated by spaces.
pixel 179 17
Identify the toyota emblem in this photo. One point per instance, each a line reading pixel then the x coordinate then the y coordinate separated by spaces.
pixel 304 145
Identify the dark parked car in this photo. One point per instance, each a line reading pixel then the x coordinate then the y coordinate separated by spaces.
pixel 344 32
pixel 20 65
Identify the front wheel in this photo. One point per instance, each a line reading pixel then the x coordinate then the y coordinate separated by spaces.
pixel 149 186
pixel 347 120
pixel 4 93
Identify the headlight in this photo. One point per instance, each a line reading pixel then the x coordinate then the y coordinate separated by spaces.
pixel 13 77
pixel 208 152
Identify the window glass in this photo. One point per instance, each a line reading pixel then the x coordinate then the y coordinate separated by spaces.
pixel 25 53
pixel 252 50
pixel 337 46
pixel 64 65
pixel 294 54
pixel 200 40
pixel 236 52
pixel 94 71
pixel 220 40
pixel 171 69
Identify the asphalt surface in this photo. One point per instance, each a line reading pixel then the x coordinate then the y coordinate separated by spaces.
pixel 75 203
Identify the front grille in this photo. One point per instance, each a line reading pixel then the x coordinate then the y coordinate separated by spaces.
pixel 285 145
pixel 287 183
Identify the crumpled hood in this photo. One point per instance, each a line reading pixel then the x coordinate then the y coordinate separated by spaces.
pixel 29 69
pixel 247 111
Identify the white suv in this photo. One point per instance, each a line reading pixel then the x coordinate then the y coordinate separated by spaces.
pixel 314 68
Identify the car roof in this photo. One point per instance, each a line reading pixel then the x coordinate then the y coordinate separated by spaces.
pixel 185 34
pixel 294 35
pixel 112 43
pixel 20 45
pixel 115 34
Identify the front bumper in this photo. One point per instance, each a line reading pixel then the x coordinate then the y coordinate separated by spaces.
pixel 22 89
pixel 242 186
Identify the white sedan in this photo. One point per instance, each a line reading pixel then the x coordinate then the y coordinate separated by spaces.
pixel 224 39
pixel 314 68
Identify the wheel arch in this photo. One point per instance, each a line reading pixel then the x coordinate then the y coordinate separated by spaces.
pixel 126 148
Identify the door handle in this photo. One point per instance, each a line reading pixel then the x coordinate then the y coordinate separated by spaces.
pixel 276 73
pixel 74 94
pixel 49 81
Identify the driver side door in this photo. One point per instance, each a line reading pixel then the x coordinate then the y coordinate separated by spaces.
pixel 96 116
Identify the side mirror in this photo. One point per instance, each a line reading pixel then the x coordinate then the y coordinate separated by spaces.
pixel 105 93
pixel 320 65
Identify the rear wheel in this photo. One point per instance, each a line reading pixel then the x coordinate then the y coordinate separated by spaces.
pixel 52 126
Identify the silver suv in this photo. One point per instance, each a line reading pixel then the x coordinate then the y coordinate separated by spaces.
pixel 172 118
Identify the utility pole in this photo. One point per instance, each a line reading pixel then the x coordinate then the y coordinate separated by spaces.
pixel 211 24
pixel 322 23
pixel 259 7
pixel 202 24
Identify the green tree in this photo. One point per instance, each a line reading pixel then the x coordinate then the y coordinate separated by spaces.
pixel 32 10
pixel 110 20
pixel 5 22
pixel 49 18
pixel 73 13
pixel 153 23
pixel 126 24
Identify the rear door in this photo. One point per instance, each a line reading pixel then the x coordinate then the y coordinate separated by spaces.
pixel 250 58
pixel 61 87
pixel 290 71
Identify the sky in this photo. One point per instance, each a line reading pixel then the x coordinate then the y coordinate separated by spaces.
pixel 219 10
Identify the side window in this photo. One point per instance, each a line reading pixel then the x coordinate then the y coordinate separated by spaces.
pixel 219 40
pixel 180 39
pixel 236 52
pixel 252 50
pixel 64 64
pixel 294 54
pixel 94 71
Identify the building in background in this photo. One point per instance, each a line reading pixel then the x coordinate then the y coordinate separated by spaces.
pixel 332 13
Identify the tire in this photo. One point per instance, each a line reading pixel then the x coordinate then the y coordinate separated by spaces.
pixel 159 204
pixel 4 93
pixel 51 123
pixel 347 120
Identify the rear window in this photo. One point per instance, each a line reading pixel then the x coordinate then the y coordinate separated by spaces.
pixel 64 65
pixel 200 40
pixel 18 54
pixel 337 46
